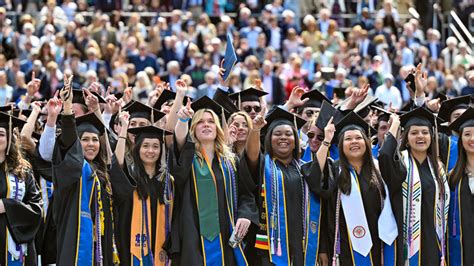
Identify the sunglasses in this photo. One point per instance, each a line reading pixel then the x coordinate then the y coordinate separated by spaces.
pixel 248 109
pixel 311 113
pixel 311 135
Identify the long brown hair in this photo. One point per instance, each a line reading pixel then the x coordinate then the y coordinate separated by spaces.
pixel 368 166
pixel 458 171
pixel 15 161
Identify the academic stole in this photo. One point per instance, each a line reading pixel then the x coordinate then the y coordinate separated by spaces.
pixel 85 231
pixel 207 204
pixel 16 190
pixel 412 193
pixel 358 230
pixel 140 245
pixel 276 218
pixel 140 232
pixel 455 247
pixel 452 152
pixel 46 193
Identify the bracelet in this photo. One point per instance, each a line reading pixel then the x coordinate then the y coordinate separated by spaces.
pixel 122 137
pixel 184 120
pixel 325 143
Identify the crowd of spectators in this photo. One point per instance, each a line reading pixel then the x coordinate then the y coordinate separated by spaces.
pixel 281 43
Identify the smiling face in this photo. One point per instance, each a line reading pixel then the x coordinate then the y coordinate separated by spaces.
pixel 419 138
pixel 353 145
pixel 90 145
pixel 240 123
pixel 315 137
pixel 150 151
pixel 251 108
pixel 468 140
pixel 206 130
pixel 455 114
pixel 283 141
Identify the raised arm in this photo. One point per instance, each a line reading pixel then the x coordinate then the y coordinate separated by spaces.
pixel 121 143
pixel 48 138
pixel 253 143
pixel 172 118
pixel 181 131
pixel 322 153
pixel 28 129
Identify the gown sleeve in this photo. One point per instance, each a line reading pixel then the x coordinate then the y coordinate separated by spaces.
pixel 443 141
pixel 122 184
pixel 319 182
pixel 67 156
pixel 391 165
pixel 24 217
pixel 181 161
pixel 247 203
pixel 41 166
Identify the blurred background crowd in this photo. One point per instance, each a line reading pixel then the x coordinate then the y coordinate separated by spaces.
pixel 332 45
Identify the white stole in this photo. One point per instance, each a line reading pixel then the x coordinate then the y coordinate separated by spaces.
pixel 17 191
pixel 356 220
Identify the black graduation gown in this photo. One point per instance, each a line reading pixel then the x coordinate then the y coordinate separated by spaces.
pixel 467 220
pixel 123 186
pixel 22 218
pixel 294 211
pixel 188 225
pixel 68 161
pixel 394 173
pixel 46 236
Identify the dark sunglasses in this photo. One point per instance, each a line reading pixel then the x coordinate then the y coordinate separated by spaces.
pixel 248 109
pixel 311 135
pixel 311 113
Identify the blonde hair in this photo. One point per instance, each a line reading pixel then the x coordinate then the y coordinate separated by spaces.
pixel 219 143
pixel 247 118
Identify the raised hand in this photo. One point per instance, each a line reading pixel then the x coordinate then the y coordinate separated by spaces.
pixel 421 79
pixel 434 104
pixel 186 112
pixel 359 95
pixel 127 95
pixel 66 92
pixel 329 131
pixel 92 102
pixel 295 98
pixel 258 123
pixel 181 86
pixel 258 84
pixel 95 87
pixel 232 137
pixel 124 119
pixel 33 86
pixel 221 73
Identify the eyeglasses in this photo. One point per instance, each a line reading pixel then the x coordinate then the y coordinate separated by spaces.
pixel 311 135
pixel 311 113
pixel 248 109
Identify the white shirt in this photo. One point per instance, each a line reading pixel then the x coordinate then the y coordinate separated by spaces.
pixel 268 87
pixel 387 95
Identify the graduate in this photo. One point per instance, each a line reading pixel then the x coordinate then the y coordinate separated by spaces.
pixel 382 126
pixel 361 226
pixel 217 202
pixel 240 125
pixel 20 199
pixel 289 230
pixel 249 101
pixel 418 177
pixel 83 205
pixel 449 111
pixel 144 192
pixel 461 217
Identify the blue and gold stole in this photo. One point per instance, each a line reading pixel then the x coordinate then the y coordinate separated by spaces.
pixel 207 205
pixel 455 247
pixel 452 152
pixel 276 218
pixel 85 231
pixel 15 253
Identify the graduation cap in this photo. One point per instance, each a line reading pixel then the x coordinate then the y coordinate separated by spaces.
pixel 441 96
pixel 353 121
pixel 230 58
pixel 327 111
pixel 247 95
pixel 207 103
pixel 411 78
pixel 222 98
pixel 166 96
pixel 78 96
pixel 451 105
pixel 363 109
pixel 316 99
pixel 418 117
pixel 383 115
pixel 151 132
pixel 139 110
pixel 10 122
pixel 90 123
pixel 463 121
pixel 16 112
pixel 280 116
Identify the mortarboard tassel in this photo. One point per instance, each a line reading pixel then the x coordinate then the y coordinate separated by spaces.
pixel 10 135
